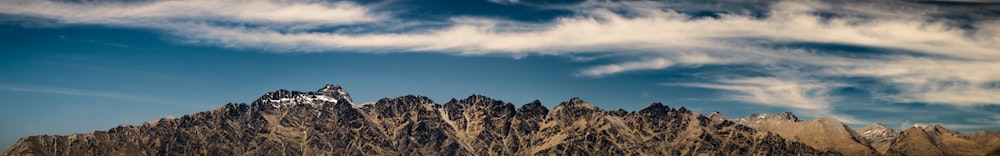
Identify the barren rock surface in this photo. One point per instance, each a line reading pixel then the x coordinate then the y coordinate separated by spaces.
pixel 327 122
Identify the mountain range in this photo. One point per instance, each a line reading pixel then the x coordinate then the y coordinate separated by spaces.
pixel 328 122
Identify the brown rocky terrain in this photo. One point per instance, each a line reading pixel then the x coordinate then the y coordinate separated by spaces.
pixel 935 140
pixel 874 139
pixel 328 122
pixel 819 133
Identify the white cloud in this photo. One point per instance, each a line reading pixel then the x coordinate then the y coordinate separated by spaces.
pixel 504 1
pixel 658 63
pixel 802 95
pixel 957 82
pixel 593 30
pixel 157 13
pixel 600 30
pixel 775 92
pixel 940 63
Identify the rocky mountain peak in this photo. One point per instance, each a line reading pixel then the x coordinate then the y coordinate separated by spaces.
pixel 757 121
pixel 284 99
pixel 568 112
pixel 924 139
pixel 475 108
pixel 655 109
pixel 877 125
pixel 786 116
pixel 480 101
pixel 575 102
pixel 331 88
pixel 534 103
pixel 401 105
pixel 575 106
pixel 528 118
pixel 716 116
pixel 920 125
pixel 329 94
pixel 878 135
pixel 820 133
pixel 406 101
pixel 533 108
pixel 875 128
pixel 335 91
pixel 935 128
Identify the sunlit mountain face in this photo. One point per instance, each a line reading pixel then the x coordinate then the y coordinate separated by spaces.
pixel 78 66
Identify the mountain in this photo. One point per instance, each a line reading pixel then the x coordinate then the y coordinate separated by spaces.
pixel 874 139
pixel 328 122
pixel 987 139
pixel 879 136
pixel 819 133
pixel 935 140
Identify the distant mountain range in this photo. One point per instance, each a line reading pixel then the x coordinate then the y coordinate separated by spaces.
pixel 328 122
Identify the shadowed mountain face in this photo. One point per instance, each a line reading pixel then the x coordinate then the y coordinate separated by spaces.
pixel 328 122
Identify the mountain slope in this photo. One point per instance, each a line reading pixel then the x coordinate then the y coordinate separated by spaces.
pixel 934 140
pixel 874 139
pixel 327 122
pixel 879 136
pixel 819 133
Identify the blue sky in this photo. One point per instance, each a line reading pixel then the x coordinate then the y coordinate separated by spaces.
pixel 78 66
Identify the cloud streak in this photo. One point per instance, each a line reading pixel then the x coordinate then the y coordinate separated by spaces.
pixel 775 92
pixel 658 63
pixel 157 13
pixel 957 82
pixel 91 93
pixel 801 95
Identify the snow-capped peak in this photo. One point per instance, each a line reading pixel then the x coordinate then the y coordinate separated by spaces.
pixel 328 94
pixel 335 91
pixel 877 132
pixel 315 100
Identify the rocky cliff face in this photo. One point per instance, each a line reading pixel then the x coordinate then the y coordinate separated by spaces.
pixel 328 122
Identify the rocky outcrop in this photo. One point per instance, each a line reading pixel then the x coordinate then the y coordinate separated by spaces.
pixel 327 122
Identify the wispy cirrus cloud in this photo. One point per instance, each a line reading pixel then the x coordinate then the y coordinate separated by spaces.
pixel 651 64
pixel 808 96
pixel 94 93
pixel 774 92
pixel 593 30
pixel 166 13
pixel 939 81
pixel 600 30
pixel 924 58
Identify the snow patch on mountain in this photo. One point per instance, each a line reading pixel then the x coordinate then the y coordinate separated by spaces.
pixel 314 100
